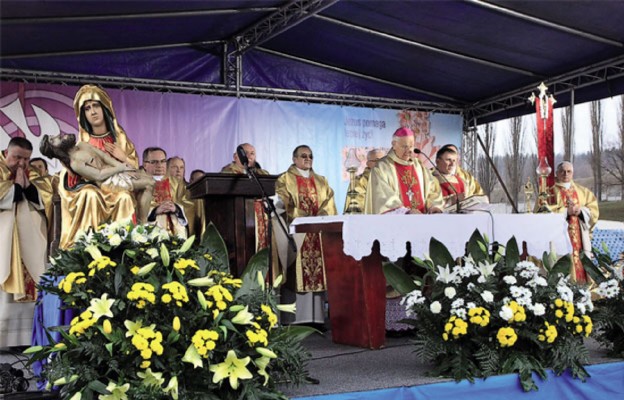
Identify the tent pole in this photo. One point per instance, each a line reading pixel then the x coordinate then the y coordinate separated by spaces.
pixel 487 155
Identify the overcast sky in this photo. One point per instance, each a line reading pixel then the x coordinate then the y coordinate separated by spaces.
pixel 582 128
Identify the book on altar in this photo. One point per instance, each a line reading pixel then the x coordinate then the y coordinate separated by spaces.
pixel 469 204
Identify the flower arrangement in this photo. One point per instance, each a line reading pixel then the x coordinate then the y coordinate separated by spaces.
pixel 494 314
pixel 159 317
pixel 608 315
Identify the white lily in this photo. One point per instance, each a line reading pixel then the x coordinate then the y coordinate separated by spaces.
pixel 445 275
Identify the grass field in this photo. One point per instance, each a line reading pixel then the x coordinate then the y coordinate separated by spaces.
pixel 612 210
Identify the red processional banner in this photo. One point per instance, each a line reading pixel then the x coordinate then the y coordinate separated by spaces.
pixel 545 142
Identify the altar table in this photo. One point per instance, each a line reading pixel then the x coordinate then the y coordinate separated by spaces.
pixel 354 245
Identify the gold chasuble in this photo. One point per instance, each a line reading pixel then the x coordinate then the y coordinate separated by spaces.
pixel 471 186
pixel 172 189
pixel 395 183
pixel 579 227
pixel 304 197
pixel 260 218
pixel 83 204
pixel 23 247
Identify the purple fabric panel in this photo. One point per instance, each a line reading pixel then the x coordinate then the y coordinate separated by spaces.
pixel 267 70
pixel 179 64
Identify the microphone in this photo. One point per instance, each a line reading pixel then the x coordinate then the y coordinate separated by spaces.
pixel 418 151
pixel 242 156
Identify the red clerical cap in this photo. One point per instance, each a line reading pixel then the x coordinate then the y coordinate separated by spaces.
pixel 401 132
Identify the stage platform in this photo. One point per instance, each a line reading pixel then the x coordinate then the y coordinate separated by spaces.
pixel 395 373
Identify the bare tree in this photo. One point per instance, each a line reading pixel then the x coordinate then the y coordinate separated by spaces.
pixel 515 160
pixel 485 175
pixel 595 152
pixel 613 162
pixel 566 129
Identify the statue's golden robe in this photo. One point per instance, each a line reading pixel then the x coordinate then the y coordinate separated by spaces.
pixel 304 197
pixel 83 204
pixel 579 227
pixel 384 192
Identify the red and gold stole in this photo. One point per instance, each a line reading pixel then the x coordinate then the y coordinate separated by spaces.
pixel 574 231
pixel 409 187
pixel 262 225
pixel 162 193
pixel 446 186
pixel 312 269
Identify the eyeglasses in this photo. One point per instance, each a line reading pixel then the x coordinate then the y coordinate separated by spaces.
pixel 156 161
pixel 306 156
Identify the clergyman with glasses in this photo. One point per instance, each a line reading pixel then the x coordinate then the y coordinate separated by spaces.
pixel 171 207
pixel 305 193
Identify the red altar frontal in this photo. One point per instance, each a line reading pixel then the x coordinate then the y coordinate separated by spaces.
pixel 355 245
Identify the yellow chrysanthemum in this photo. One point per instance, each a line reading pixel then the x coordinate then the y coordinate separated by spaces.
pixel 142 293
pixel 549 334
pixel 507 336
pixel 204 341
pixel 176 291
pixel 479 316
pixel 183 263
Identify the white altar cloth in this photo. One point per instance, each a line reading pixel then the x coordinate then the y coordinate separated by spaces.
pixel 541 232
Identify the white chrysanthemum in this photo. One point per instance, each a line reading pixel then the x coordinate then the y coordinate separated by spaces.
pixel 527 266
pixel 138 236
pixel 457 303
pixel 585 302
pixel 412 298
pixel 450 292
pixel 459 313
pixel 114 240
pixel 481 279
pixel 506 313
pixel 537 281
pixel 435 307
pixel 470 305
pixel 522 295
pixel 465 271
pixel 609 289
pixel 538 309
pixel 510 279
pixel 487 296
pixel 564 291
pixel 470 287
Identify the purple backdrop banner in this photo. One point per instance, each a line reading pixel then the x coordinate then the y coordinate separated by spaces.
pixel 205 130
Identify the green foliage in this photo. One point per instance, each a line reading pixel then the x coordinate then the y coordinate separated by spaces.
pixel 608 315
pixel 160 318
pixel 494 313
pixel 398 279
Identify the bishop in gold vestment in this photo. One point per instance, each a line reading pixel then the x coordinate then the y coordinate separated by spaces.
pixel 581 207
pixel 83 204
pixel 399 182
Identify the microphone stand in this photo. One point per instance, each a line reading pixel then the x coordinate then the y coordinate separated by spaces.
pixel 269 209
pixel 457 205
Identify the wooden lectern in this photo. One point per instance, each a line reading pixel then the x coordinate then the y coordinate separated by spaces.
pixel 229 205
